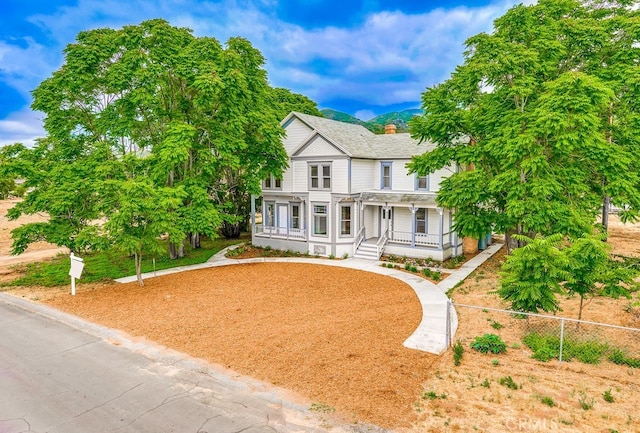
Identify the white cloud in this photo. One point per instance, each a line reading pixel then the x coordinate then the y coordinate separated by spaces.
pixel 365 115
pixel 389 58
pixel 24 126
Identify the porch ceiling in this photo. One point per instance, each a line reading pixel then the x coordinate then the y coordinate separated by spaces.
pixel 399 198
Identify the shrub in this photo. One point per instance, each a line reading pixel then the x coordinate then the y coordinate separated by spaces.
pixel 607 396
pixel 426 272
pixel 548 401
pixel 619 357
pixel 458 351
pixel 489 343
pixel 508 382
pixel 436 275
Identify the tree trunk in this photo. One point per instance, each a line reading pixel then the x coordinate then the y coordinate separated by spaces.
pixel 605 214
pixel 176 250
pixel 230 231
pixel 512 243
pixel 138 260
pixel 194 240
pixel 173 252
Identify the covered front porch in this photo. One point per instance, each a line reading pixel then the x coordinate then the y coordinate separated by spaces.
pixel 409 224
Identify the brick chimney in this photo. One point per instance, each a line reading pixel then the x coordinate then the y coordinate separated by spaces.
pixel 390 129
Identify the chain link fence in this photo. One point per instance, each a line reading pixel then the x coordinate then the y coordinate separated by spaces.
pixel 552 338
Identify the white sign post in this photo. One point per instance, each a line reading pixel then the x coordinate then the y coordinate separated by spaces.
pixel 77 265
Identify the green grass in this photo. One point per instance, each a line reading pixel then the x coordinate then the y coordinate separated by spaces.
pixel 109 265
pixel 588 349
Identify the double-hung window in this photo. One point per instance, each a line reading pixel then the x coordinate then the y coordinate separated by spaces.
pixel 346 212
pixel 269 214
pixel 422 183
pixel 320 176
pixel 272 182
pixel 295 215
pixel 421 220
pixel 320 219
pixel 385 175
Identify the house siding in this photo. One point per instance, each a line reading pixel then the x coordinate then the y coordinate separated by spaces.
pixel 296 132
pixel 300 175
pixel 318 146
pixel 361 174
pixel 401 180
pixel 402 219
pixel 340 176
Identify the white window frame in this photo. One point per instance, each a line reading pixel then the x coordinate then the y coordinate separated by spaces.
pixel 426 183
pixel 322 177
pixel 350 220
pixel 383 165
pixel 425 221
pixel 316 215
pixel 269 220
pixel 295 221
pixel 272 182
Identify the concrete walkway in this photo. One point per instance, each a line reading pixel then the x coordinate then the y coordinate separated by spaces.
pixel 431 334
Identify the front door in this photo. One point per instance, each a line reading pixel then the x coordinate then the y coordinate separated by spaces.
pixel 386 219
pixel 282 222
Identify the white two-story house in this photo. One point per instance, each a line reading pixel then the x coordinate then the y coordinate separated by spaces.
pixel 347 192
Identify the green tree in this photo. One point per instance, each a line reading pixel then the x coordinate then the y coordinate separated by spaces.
pixel 150 103
pixel 532 275
pixel 593 272
pixel 143 214
pixel 286 101
pixel 9 169
pixel 541 120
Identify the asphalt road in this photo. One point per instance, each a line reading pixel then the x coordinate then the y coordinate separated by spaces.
pixel 59 374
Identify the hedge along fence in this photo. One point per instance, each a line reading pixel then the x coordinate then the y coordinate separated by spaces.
pixel 560 338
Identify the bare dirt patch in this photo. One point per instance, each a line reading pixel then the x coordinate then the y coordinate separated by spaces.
pixel 36 251
pixel 331 334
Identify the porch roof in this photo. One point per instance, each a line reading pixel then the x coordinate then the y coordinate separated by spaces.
pixel 399 198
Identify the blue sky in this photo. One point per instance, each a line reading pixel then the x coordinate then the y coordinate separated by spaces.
pixel 364 57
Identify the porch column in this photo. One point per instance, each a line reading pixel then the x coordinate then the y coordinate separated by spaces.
pixel 253 214
pixel 441 224
pixel 413 210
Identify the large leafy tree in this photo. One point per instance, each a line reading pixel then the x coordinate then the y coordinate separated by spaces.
pixel 150 105
pixel 541 117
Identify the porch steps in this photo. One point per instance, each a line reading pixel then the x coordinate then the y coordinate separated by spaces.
pixel 367 251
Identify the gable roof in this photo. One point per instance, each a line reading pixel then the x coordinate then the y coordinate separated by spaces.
pixel 358 142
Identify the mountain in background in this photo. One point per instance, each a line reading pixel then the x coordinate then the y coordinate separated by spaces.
pixel 376 125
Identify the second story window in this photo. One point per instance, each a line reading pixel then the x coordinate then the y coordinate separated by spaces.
pixel 320 176
pixel 385 175
pixel 422 183
pixel 272 182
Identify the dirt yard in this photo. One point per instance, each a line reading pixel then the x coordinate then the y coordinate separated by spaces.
pixel 36 251
pixel 332 335
pixel 335 337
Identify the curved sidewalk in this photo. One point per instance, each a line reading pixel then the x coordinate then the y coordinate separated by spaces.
pixel 431 334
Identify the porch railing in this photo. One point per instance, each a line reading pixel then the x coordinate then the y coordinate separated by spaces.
pixel 360 237
pixel 381 242
pixel 421 239
pixel 281 232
